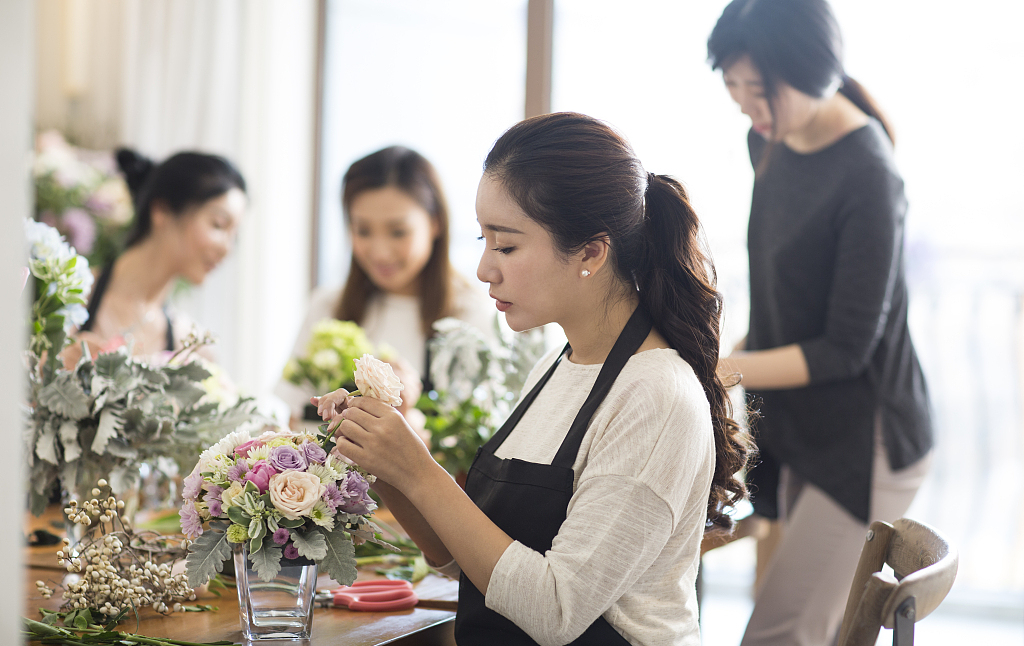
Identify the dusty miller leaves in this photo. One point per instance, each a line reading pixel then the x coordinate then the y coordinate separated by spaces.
pixel 206 556
pixel 340 560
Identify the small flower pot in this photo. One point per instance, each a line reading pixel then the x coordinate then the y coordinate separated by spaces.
pixel 281 609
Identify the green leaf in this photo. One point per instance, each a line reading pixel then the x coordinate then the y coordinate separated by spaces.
pixel 194 371
pixel 64 396
pixel 237 515
pixel 108 428
pixel 257 530
pixel 340 560
pixel 289 523
pixel 267 562
pixel 206 556
pixel 251 488
pixel 311 545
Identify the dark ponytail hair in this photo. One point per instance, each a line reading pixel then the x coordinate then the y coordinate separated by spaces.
pixel 182 181
pixel 793 41
pixel 411 173
pixel 581 181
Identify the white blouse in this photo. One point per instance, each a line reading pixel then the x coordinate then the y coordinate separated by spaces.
pixel 392 320
pixel 630 545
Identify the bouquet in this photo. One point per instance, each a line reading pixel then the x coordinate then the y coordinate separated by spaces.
pixel 330 354
pixel 283 495
pixel 475 384
pixel 80 193
pixel 110 414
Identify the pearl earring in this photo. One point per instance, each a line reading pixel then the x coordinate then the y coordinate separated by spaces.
pixel 585 273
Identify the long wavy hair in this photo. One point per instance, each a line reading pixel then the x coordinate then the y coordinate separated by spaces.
pixel 580 180
pixel 797 42
pixel 411 173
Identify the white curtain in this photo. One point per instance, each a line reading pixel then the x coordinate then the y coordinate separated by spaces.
pixel 232 77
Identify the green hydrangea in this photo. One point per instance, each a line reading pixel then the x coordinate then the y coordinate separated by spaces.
pixel 330 354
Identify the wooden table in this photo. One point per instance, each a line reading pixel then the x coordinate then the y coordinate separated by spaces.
pixel 334 626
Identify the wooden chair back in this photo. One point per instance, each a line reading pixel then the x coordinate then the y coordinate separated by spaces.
pixel 924 564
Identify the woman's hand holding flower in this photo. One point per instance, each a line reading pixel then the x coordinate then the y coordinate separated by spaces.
pixel 379 439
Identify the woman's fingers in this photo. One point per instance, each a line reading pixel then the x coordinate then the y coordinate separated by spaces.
pixel 373 406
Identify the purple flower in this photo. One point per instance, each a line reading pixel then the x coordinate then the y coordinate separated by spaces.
pixel 237 472
pixel 314 452
pixel 192 485
pixel 81 229
pixel 260 475
pixel 290 552
pixel 191 523
pixel 355 499
pixel 287 457
pixel 281 536
pixel 213 501
pixel 244 448
pixel 332 496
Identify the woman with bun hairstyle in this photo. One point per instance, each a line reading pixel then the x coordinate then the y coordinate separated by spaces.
pixel 582 517
pixel 844 432
pixel 187 210
pixel 400 280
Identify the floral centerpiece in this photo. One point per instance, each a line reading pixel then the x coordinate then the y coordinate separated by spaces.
pixel 109 414
pixel 80 193
pixel 475 383
pixel 283 496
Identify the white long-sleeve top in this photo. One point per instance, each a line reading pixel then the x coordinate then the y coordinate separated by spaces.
pixel 630 545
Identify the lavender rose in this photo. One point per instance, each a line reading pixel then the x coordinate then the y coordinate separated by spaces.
pixel 285 458
pixel 354 496
pixel 260 475
pixel 314 453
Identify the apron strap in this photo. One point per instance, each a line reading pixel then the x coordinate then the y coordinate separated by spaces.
pixel 629 341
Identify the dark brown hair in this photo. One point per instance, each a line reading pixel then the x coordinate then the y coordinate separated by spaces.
pixel 411 173
pixel 794 41
pixel 184 180
pixel 581 181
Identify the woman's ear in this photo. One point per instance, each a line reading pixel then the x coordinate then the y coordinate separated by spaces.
pixel 595 255
pixel 160 215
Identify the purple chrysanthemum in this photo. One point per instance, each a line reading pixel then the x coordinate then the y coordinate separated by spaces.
pixel 284 458
pixel 191 523
pixel 213 500
pixel 332 496
pixel 192 485
pixel 290 552
pixel 237 472
pixel 281 536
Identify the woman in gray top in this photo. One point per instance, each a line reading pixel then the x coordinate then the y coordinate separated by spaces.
pixel 844 429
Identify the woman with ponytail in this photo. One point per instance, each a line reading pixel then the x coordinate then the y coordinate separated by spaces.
pixel 582 517
pixel 844 431
pixel 187 210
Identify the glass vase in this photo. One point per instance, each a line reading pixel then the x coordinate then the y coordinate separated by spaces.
pixel 281 609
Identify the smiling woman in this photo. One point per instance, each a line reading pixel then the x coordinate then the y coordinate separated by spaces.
pixel 187 211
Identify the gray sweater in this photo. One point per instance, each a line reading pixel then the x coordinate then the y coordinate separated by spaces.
pixel 826 271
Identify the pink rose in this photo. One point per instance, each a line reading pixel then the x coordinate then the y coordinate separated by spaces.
pixel 260 475
pixel 243 449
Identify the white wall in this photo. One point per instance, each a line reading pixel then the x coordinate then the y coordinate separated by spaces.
pixel 16 69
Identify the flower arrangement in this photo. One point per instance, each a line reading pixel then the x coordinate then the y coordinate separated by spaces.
pixel 475 384
pixel 330 353
pixel 111 413
pixel 80 193
pixel 284 495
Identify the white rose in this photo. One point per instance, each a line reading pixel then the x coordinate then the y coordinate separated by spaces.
pixel 295 492
pixel 376 379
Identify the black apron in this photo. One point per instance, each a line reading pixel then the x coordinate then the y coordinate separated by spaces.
pixel 528 501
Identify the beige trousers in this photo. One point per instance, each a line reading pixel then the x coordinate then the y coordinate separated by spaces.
pixel 803 597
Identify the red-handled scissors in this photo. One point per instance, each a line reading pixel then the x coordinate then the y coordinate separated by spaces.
pixel 372 596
